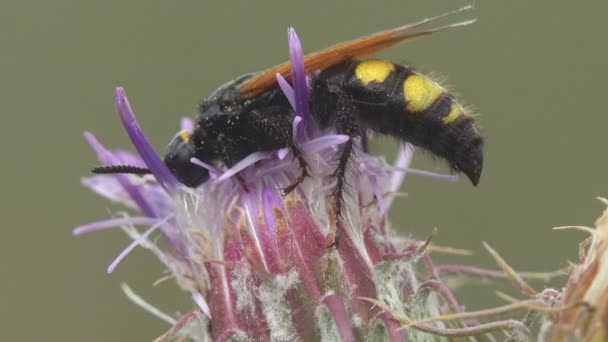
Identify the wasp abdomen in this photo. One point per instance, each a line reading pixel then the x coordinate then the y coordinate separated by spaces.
pixel 395 100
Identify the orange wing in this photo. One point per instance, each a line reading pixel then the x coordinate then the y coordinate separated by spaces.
pixel 342 52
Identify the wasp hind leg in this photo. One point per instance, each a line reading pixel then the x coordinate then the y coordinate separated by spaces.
pixel 337 195
pixel 345 122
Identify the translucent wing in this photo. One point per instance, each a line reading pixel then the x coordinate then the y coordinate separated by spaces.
pixel 342 52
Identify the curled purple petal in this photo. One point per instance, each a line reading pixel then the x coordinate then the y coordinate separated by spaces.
pixel 112 223
pixel 141 143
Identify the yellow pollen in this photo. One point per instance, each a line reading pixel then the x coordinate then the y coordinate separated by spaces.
pixel 420 93
pixel 185 136
pixel 455 113
pixel 373 71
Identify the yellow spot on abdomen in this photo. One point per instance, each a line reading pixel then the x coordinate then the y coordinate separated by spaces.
pixel 420 93
pixel 373 71
pixel 455 113
pixel 185 136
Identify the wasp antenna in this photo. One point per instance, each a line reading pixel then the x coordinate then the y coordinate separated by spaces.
pixel 129 169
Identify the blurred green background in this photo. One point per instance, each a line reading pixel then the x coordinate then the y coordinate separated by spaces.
pixel 535 71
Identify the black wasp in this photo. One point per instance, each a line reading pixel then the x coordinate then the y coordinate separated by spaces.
pixel 349 95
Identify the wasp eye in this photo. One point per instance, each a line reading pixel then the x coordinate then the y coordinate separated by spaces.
pixel 177 158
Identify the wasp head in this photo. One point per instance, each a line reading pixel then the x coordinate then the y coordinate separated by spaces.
pixel 177 158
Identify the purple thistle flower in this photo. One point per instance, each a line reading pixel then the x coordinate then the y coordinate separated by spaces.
pixel 256 262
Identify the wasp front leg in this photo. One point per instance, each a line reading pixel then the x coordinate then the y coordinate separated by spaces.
pixel 299 155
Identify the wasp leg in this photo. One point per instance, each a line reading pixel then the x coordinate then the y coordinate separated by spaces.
pixel 297 154
pixel 365 142
pixel 242 182
pixel 345 122
pixel 337 196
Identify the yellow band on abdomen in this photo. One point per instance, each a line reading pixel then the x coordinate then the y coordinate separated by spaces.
pixel 373 71
pixel 420 93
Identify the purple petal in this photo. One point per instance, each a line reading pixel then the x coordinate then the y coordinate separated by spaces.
pixel 324 142
pixel 187 124
pixel 294 127
pixel 112 223
pixel 214 172
pixel 128 158
pixel 271 201
pixel 298 73
pixel 287 90
pixel 202 303
pixel 107 157
pixel 404 159
pixel 141 143
pixel 440 176
pixel 282 153
pixel 142 303
pixel 243 164
pixel 132 246
pixel 107 186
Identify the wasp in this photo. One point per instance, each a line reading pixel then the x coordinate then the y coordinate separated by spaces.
pixel 347 94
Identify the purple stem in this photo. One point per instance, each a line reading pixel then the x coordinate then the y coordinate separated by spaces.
pixel 472 270
pixel 179 325
pixel 393 328
pixel 445 292
pixel 341 317
pixel 490 273
pixel 517 326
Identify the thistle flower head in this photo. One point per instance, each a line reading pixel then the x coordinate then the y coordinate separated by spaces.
pixel 586 292
pixel 255 261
